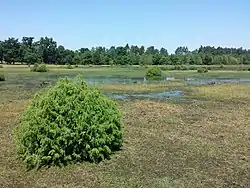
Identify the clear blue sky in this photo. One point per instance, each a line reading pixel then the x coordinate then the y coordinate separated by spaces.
pixel 167 23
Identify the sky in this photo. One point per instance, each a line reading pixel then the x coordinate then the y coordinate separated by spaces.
pixel 162 23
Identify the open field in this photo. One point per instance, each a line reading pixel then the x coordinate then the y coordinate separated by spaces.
pixel 168 143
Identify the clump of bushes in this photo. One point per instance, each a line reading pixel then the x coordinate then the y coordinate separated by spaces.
pixel 69 66
pixel 70 122
pixel 39 68
pixel 180 67
pixel 202 70
pixel 1 66
pixel 2 77
pixel 154 73
pixel 192 68
pixel 176 67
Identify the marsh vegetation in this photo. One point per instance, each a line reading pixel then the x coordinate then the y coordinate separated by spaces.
pixel 200 139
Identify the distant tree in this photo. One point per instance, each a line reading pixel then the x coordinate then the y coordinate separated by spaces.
pixel 163 51
pixel 156 59
pixel 135 49
pixel 127 48
pixel 233 60
pixel 196 60
pixel 134 58
pixel 151 50
pixel 47 50
pixel 208 60
pixel 174 59
pixel 187 59
pixel 11 50
pixel 28 51
pixel 121 51
pixel 1 51
pixel 182 50
pixel 87 58
pixel 165 60
pixel 142 50
pixel 146 59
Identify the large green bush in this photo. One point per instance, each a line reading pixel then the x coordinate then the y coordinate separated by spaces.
pixel 39 68
pixel 154 73
pixel 69 122
pixel 2 77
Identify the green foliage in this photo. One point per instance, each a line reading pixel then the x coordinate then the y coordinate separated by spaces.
pixel 2 77
pixel 154 73
pixel 47 51
pixel 248 69
pixel 180 67
pixel 202 70
pixel 70 122
pixel 33 69
pixel 69 66
pixel 1 66
pixel 39 68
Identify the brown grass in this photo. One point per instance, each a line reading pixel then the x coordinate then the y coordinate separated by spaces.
pixel 223 92
pixel 188 144
pixel 140 87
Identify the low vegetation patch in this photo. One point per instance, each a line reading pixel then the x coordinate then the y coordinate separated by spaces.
pixel 39 68
pixel 67 123
pixel 2 77
pixel 222 92
pixel 1 66
pixel 154 73
pixel 69 66
pixel 202 70
pixel 135 88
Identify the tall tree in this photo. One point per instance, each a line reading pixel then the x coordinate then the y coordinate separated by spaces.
pixel 11 50
pixel 1 51
pixel 182 50
pixel 47 50
pixel 163 51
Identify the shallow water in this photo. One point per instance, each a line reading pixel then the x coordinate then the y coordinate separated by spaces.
pixel 173 94
pixel 33 83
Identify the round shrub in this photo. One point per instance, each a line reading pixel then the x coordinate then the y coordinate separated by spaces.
pixel 69 66
pixel 70 122
pixel 2 77
pixel 39 68
pixel 34 67
pixel 202 70
pixel 1 66
pixel 154 73
pixel 42 68
pixel 248 69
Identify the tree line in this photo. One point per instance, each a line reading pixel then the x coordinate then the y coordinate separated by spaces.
pixel 46 50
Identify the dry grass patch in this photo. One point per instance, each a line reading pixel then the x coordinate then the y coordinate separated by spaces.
pixel 133 88
pixel 198 144
pixel 222 92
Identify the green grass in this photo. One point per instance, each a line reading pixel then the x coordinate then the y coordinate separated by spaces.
pixel 203 143
pixel 141 88
pixel 213 74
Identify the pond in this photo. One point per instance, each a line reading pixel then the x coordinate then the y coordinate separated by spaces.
pixel 173 94
pixel 32 82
